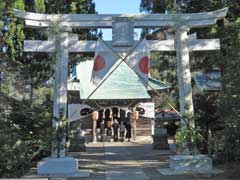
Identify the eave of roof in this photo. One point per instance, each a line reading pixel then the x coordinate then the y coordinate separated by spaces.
pixel 155 84
pixel 208 81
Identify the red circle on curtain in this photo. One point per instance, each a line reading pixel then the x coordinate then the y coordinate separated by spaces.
pixel 144 65
pixel 99 63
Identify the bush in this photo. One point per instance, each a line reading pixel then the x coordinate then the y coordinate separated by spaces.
pixel 14 156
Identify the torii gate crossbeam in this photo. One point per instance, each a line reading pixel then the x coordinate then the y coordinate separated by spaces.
pixel 194 20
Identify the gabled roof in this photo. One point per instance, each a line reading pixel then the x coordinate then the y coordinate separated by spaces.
pixel 157 85
pixel 123 83
pixel 166 116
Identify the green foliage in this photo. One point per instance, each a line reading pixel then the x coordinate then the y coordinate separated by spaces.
pixel 230 95
pixel 74 6
pixel 60 133
pixel 153 6
pixel 163 67
pixel 188 134
pixel 168 100
pixel 57 7
pixel 25 135
pixel 14 156
pixel 19 4
pixel 40 6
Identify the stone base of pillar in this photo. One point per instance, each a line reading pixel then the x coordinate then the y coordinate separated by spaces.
pixel 190 164
pixel 60 167
pixel 160 142
pixel 77 144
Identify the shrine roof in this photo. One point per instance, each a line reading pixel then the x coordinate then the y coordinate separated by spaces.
pixel 155 84
pixel 123 83
pixel 208 81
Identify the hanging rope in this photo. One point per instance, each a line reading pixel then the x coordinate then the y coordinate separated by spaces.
pixel 118 114
pixel 103 114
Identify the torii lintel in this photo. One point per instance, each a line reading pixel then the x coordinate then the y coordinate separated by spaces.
pixel 191 20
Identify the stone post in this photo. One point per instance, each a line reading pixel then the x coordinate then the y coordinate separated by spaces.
pixel 60 85
pixel 184 79
pixel 94 119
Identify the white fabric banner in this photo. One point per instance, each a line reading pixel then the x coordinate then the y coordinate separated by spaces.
pixel 148 110
pixel 103 61
pixel 139 60
pixel 74 111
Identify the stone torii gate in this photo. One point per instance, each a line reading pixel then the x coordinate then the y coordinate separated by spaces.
pixel 123 41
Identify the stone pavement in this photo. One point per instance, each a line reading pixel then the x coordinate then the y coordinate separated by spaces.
pixel 128 161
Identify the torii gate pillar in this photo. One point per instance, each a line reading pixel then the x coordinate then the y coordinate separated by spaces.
pixel 183 73
pixel 60 86
pixel 184 81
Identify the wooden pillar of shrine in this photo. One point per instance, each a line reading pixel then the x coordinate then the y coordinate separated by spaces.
pixel 94 130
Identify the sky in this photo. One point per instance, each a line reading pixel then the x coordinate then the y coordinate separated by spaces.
pixel 116 7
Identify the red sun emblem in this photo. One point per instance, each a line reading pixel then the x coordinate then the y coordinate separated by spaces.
pixel 99 63
pixel 144 65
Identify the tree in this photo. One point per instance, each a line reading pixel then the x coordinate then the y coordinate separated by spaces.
pixel 229 98
pixel 155 6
